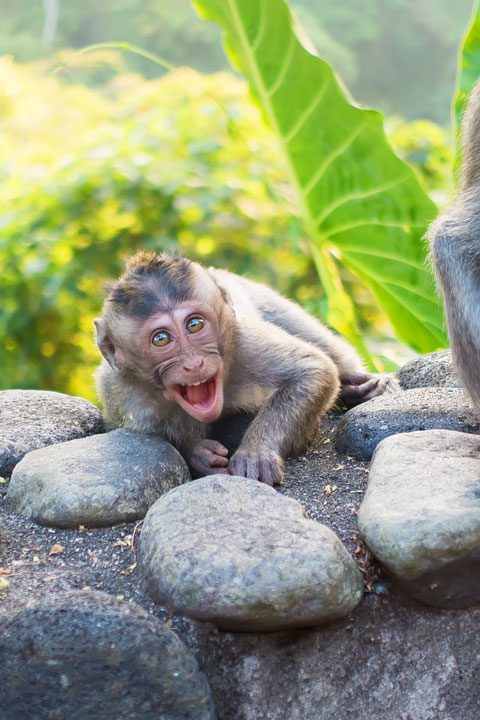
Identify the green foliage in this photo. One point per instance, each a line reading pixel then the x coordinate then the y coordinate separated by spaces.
pixel 181 162
pixel 362 206
pixel 427 148
pixel 397 55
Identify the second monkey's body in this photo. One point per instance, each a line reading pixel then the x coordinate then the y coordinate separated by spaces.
pixel 275 360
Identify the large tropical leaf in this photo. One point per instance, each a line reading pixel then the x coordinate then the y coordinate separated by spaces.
pixel 361 204
pixel 468 73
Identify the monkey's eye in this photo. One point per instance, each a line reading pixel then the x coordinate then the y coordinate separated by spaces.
pixel 161 338
pixel 195 324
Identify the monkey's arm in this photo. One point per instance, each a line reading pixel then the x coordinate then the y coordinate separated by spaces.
pixel 306 384
pixel 455 249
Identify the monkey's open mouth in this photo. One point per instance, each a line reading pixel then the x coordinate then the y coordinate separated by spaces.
pixel 203 401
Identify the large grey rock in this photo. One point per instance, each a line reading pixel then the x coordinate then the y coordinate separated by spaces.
pixel 363 427
pixel 388 661
pixel 235 552
pixel 81 655
pixel 95 481
pixel 432 370
pixel 31 419
pixel 421 514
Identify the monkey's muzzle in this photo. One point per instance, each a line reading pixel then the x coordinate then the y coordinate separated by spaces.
pixel 203 401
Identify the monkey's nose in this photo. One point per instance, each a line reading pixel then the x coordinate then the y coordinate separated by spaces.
pixel 193 363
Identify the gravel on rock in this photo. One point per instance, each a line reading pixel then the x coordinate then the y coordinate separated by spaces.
pixel 391 658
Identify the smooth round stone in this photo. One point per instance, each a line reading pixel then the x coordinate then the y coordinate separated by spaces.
pixel 30 419
pixel 235 552
pixel 95 481
pixel 421 514
pixel 363 427
pixel 432 370
pixel 79 655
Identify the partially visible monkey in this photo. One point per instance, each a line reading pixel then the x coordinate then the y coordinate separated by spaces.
pixel 455 250
pixel 184 345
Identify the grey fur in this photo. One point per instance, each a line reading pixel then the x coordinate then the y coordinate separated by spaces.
pixel 455 251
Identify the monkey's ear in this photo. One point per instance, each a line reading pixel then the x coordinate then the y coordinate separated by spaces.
pixel 104 343
pixel 226 297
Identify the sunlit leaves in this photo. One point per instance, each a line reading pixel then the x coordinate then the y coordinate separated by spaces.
pixel 361 205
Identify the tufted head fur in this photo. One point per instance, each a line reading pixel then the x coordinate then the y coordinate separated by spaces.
pixel 149 282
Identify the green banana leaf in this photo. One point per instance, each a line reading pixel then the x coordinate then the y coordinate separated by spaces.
pixel 467 75
pixel 362 206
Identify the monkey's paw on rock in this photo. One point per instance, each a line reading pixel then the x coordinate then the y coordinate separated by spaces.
pixel 236 553
pixel 421 515
pixel 95 481
pixel 31 419
pixel 362 428
pixel 83 655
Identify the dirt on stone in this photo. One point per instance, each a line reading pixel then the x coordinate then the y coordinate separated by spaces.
pixel 36 560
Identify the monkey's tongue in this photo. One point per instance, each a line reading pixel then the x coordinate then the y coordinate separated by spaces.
pixel 204 402
pixel 196 394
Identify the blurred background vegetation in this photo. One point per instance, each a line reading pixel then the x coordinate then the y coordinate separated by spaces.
pixel 112 154
pixel 394 55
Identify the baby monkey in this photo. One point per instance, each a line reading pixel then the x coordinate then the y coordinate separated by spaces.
pixel 185 345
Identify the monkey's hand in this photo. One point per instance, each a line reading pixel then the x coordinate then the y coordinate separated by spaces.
pixel 262 464
pixel 208 457
pixel 359 387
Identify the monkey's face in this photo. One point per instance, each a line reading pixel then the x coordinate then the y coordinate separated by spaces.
pixel 180 351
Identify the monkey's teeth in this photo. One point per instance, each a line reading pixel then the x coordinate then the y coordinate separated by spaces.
pixel 201 400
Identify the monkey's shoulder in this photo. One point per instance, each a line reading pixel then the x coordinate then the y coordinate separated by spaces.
pixel 245 393
pixel 247 294
pixel 260 302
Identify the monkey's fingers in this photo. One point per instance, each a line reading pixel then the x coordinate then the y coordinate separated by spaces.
pixel 216 447
pixel 271 473
pixel 265 466
pixel 238 466
pixel 208 457
pixel 355 378
pixel 385 385
pixel 215 461
pixel 354 394
pixel 363 389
